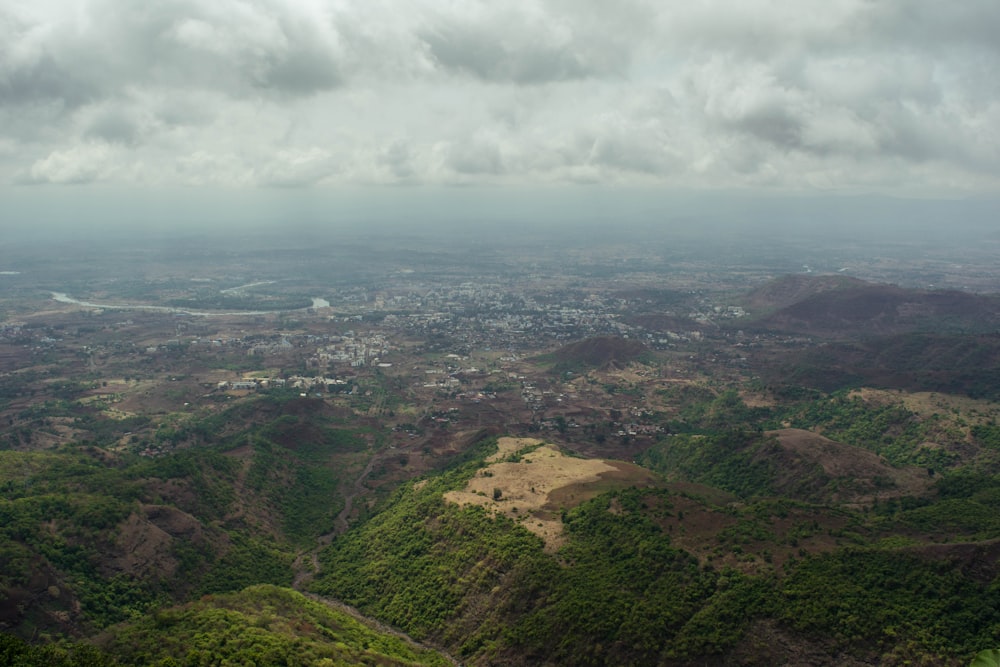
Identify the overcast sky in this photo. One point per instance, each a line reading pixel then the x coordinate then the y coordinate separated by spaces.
pixel 225 108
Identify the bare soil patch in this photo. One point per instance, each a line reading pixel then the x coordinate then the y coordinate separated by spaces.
pixel 535 486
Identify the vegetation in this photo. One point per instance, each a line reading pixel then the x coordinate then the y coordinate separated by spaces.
pixel 18 653
pixel 776 523
pixel 69 521
pixel 262 625
pixel 219 301
pixel 620 592
pixel 729 461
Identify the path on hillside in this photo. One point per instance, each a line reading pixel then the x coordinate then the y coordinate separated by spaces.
pixel 304 574
pixel 340 523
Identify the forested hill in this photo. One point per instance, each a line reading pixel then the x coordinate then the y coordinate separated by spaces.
pixel 742 536
pixel 663 575
pixel 676 503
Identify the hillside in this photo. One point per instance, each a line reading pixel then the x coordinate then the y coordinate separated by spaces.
pixel 495 557
pixel 953 364
pixel 178 490
pixel 599 352
pixel 814 467
pixel 838 307
pixel 791 289
pixel 264 625
pixel 657 576
pixel 260 625
pixel 89 537
pixel 789 463
pixel 531 482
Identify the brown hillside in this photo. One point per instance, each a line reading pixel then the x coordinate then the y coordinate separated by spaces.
pixel 812 467
pixel 878 310
pixel 600 352
pixel 953 364
pixel 788 290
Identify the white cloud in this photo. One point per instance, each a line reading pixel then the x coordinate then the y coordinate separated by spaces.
pixel 891 96
pixel 84 163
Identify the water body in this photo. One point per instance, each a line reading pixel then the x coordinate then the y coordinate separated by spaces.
pixel 62 297
pixel 234 290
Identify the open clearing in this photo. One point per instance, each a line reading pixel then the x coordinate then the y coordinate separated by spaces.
pixel 533 487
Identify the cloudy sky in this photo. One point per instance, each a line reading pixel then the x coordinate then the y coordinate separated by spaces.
pixel 122 108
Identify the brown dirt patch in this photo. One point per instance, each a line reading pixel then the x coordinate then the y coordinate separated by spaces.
pixel 534 489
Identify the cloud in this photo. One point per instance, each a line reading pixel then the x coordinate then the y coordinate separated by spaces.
pixel 531 43
pixel 113 126
pixel 398 160
pixel 104 47
pixel 77 166
pixel 297 168
pixel 475 156
pixel 204 168
pixel 896 95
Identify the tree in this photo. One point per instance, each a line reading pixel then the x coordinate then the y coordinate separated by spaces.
pixel 987 658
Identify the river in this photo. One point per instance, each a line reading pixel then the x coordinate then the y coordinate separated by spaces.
pixel 62 297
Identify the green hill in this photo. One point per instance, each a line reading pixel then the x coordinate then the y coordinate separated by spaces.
pixel 655 576
pixel 262 625
pixel 851 529
pixel 89 538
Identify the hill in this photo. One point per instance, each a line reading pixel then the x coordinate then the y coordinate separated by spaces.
pixel 600 352
pixel 660 576
pixel 838 307
pixel 531 482
pixel 789 463
pixel 791 289
pixel 90 537
pixel 264 625
pixel 946 363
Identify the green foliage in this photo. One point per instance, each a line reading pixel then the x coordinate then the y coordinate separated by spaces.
pixel 725 617
pixel 889 430
pixel 727 461
pixel 623 593
pixel 966 484
pixel 64 514
pixel 210 475
pixel 264 480
pixel 988 435
pixel 617 593
pixel 955 518
pixel 701 411
pixel 17 653
pixel 987 658
pixel 414 562
pixel 262 625
pixel 889 598
pixel 247 560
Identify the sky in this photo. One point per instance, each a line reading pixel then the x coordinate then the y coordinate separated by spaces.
pixel 165 111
